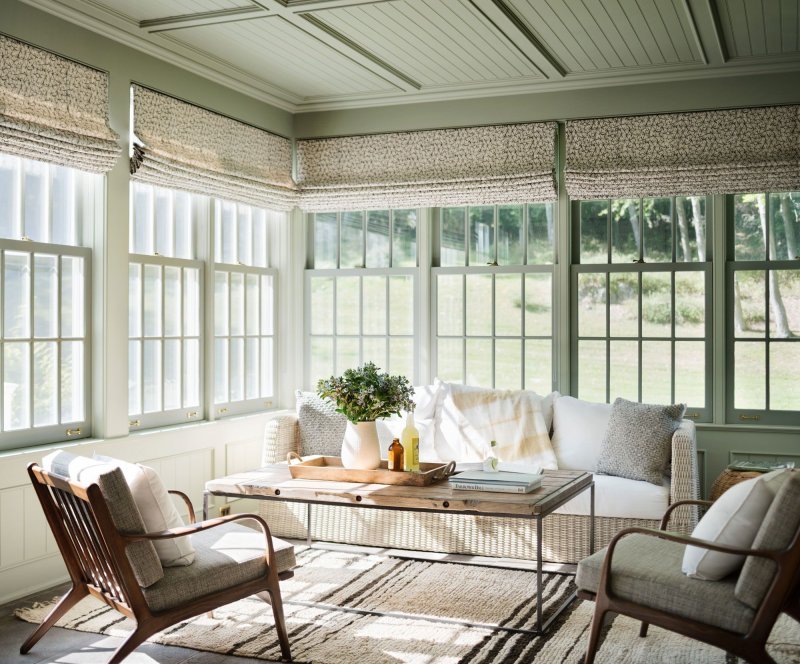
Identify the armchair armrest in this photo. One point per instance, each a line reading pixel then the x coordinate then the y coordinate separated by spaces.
pixel 671 508
pixel 281 436
pixel 172 533
pixel 188 503
pixel 684 481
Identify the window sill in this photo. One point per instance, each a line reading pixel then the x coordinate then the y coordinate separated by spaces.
pixel 765 428
pixel 75 445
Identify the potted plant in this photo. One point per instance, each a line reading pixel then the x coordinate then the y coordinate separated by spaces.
pixel 363 395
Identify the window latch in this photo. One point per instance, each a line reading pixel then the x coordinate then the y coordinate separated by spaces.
pixel 74 432
pixel 749 417
pixel 492 263
pixel 638 260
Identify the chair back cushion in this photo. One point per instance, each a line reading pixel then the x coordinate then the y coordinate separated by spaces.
pixel 779 527
pixel 124 513
pixel 321 427
pixel 733 519
pixel 638 440
pixel 157 510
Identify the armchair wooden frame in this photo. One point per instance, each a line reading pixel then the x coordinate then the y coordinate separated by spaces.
pixel 781 596
pixel 94 552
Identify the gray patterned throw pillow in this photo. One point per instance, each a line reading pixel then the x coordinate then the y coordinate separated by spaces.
pixel 638 440
pixel 321 427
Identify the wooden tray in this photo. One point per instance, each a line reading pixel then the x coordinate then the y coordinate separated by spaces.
pixel 331 469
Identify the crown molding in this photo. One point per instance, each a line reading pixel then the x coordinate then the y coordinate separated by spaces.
pixel 129 34
pixel 574 82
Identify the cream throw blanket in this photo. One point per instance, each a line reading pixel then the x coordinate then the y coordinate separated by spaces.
pixel 472 417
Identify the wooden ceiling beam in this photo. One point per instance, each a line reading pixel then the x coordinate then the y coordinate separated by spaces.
pixel 324 33
pixel 520 35
pixel 708 31
pixel 203 18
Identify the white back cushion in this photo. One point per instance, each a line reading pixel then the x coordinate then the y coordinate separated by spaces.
pixel 579 428
pixel 157 510
pixel 733 519
pixel 426 404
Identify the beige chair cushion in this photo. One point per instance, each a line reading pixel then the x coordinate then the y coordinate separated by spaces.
pixel 124 513
pixel 776 532
pixel 647 570
pixel 225 556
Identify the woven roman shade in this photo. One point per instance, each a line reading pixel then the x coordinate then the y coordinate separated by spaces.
pixel 53 109
pixel 715 152
pixel 182 146
pixel 471 166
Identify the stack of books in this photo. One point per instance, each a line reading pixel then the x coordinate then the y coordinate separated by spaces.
pixel 506 482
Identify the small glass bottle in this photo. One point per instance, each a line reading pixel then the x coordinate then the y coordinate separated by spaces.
pixel 395 456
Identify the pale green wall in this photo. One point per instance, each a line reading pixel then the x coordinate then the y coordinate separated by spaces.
pixel 125 64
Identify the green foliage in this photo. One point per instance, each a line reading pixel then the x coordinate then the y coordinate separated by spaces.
pixel 659 313
pixel 362 394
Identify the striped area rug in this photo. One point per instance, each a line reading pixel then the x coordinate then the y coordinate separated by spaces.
pixel 423 596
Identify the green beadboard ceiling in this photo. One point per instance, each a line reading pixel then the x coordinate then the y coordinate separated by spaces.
pixel 313 55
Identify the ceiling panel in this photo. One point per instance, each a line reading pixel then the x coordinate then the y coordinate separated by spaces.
pixel 604 35
pixel 437 43
pixel 275 50
pixel 758 28
pixel 144 10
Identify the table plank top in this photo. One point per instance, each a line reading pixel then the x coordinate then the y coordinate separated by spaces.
pixel 275 482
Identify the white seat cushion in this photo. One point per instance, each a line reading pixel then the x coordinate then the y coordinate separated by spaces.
pixel 579 429
pixel 620 497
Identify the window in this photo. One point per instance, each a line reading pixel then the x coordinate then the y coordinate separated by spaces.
pixel 493 304
pixel 763 317
pixel 165 375
pixel 360 292
pixel 45 276
pixel 244 355
pixel 641 287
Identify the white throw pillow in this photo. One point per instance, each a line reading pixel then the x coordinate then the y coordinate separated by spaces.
pixel 733 519
pixel 471 417
pixel 579 428
pixel 157 510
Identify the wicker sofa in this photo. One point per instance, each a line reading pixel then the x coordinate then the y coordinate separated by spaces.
pixel 565 535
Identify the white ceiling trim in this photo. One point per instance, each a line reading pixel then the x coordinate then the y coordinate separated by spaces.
pixel 122 29
pixel 125 30
pixel 570 83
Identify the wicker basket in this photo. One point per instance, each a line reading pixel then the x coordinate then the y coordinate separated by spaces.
pixel 727 478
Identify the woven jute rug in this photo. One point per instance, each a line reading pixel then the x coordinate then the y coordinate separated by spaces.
pixel 427 594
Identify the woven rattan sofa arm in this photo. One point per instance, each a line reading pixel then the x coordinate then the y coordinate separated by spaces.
pixel 684 481
pixel 281 436
pixel 671 508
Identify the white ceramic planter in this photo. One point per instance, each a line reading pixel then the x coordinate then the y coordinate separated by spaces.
pixel 361 448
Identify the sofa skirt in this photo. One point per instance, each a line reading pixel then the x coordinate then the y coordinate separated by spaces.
pixel 565 538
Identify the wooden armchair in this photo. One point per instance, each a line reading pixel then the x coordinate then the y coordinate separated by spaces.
pixel 639 575
pixel 108 559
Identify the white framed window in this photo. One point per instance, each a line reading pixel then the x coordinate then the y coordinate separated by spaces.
pixel 361 292
pixel 165 290
pixel 763 308
pixel 492 304
pixel 45 281
pixel 244 309
pixel 641 302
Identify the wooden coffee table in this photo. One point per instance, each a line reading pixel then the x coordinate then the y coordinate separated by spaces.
pixel 274 482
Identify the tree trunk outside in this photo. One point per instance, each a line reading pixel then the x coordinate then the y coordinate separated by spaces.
pixel 683 227
pixel 782 330
pixel 633 215
pixel 788 215
pixel 699 222
pixel 738 316
pixel 548 212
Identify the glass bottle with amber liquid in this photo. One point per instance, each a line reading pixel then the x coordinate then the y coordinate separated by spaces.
pixel 395 457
